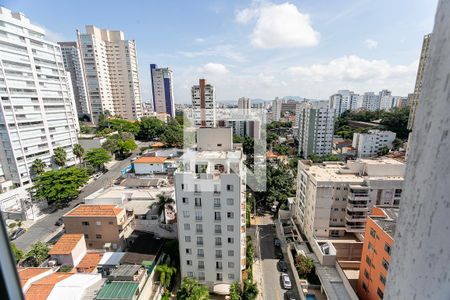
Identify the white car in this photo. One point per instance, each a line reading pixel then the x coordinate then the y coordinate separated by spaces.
pixel 286 281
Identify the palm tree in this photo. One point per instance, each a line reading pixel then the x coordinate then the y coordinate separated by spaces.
pixel 165 274
pixel 78 150
pixel 38 166
pixel 60 156
pixel 192 289
pixel 162 201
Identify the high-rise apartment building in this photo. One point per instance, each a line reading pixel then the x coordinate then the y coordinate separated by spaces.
pixel 370 144
pixel 74 65
pixel 342 101
pixel 162 90
pixel 37 108
pixel 276 109
pixel 419 80
pixel 315 129
pixel 334 198
pixel 245 104
pixel 204 104
pixel 111 69
pixel 210 197
pixel 370 101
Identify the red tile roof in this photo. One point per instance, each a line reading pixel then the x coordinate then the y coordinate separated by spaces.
pixel 150 160
pixel 66 244
pixel 41 289
pixel 100 210
pixel 28 273
pixel 89 262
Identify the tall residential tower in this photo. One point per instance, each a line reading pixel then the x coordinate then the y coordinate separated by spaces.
pixel 162 90
pixel 204 104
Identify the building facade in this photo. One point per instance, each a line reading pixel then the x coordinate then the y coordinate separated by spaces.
pixel 276 109
pixel 342 101
pixel 370 101
pixel 334 198
pixel 210 198
pixel 74 65
pixel 162 90
pixel 111 68
pixel 370 144
pixel 315 129
pixel 376 253
pixel 37 111
pixel 245 104
pixel 204 104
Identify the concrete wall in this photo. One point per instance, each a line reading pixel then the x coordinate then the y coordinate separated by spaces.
pixel 220 139
pixel 420 264
pixel 147 168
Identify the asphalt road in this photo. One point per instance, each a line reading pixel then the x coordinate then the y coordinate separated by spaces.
pixel 45 227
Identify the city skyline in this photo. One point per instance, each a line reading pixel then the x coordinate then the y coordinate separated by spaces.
pixel 223 43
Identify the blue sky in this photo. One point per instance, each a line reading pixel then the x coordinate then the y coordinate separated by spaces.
pixel 259 49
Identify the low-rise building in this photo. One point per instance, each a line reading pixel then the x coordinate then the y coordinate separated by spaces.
pixel 69 249
pixel 370 144
pixel 28 276
pixel 74 287
pixel 150 165
pixel 376 255
pixel 103 226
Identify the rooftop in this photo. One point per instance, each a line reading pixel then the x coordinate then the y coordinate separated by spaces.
pixel 150 160
pixel 85 210
pixel 388 221
pixel 41 289
pixel 66 244
pixel 89 262
pixel 122 290
pixel 123 271
pixel 111 258
pixel 74 287
pixel 28 273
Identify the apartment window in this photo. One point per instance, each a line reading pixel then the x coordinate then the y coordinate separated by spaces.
pixel 218 265
pixel 218 253
pixel 366 274
pixel 188 251
pixel 196 188
pixel 217 229
pixel 229 187
pixel 385 264
pixel 368 261
pixel 364 286
pixel 216 189
pixel 84 223
pixel 383 279
pixel 98 236
pixel 217 216
pixel 190 274
pixel 201 275
pixel 230 228
pixel 183 186
pixel 380 293
pixel 198 202
pixel 201 264
pixel 230 215
pixel 372 233
pixel 111 223
pixel 387 248
pixel 199 228
pixel 199 240
pixel 189 262
pixel 216 202
pixel 230 265
pixel 98 223
pixel 187 226
pixel 186 214
pixel 185 200
pixel 198 216
pixel 86 236
pixel 230 201
pixel 200 253
pixel 230 253
pixel 370 247
pixel 218 241
pixel 230 240
pixel 219 277
pixel 187 239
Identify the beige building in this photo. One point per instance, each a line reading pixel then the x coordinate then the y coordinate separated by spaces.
pixel 204 104
pixel 69 250
pixel 111 69
pixel 103 226
pixel 334 198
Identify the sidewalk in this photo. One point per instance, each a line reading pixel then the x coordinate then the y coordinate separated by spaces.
pixel 258 278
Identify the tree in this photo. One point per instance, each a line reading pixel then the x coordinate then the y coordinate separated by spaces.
pixel 235 291
pixel 111 145
pixel 173 136
pixel 191 289
pixel 18 254
pixel 250 290
pixel 150 128
pixel 60 156
pixel 304 265
pixel 163 200
pixel 38 166
pixel 60 185
pixel 165 274
pixel 97 158
pixel 78 150
pixel 39 252
pixel 126 146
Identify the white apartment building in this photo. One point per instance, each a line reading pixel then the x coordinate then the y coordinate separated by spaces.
pixel 370 144
pixel 111 68
pixel 210 198
pixel 162 90
pixel 37 108
pixel 74 65
pixel 204 104
pixel 276 109
pixel 370 101
pixel 342 101
pixel 245 104
pixel 315 129
pixel 334 198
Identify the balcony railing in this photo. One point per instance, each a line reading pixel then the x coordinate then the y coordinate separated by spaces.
pixel 198 218
pixel 218 244
pixel 216 205
pixel 218 231
pixel 218 255
pixel 199 243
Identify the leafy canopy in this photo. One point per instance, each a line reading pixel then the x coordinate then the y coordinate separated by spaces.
pixel 60 156
pixel 191 289
pixel 97 157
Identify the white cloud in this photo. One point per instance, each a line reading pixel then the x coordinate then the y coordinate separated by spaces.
pixel 213 69
pixel 354 68
pixel 226 51
pixel 52 36
pixel 199 40
pixel 369 43
pixel 279 26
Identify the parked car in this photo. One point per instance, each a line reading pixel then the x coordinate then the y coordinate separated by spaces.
pixel 286 281
pixel 278 253
pixel 276 242
pixel 59 222
pixel 290 296
pixel 282 266
pixel 18 232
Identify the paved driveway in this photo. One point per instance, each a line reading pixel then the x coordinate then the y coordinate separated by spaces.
pixel 44 228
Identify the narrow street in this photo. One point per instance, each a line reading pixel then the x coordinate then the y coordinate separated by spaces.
pixel 45 228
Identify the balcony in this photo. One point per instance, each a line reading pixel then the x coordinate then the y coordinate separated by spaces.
pixel 201 267
pixel 356 218
pixel 200 255
pixel 218 244
pixel 218 231
pixel 357 207
pixel 198 218
pixel 217 205
pixel 199 243
pixel 218 255
pixel 216 193
pixel 354 226
pixel 199 231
